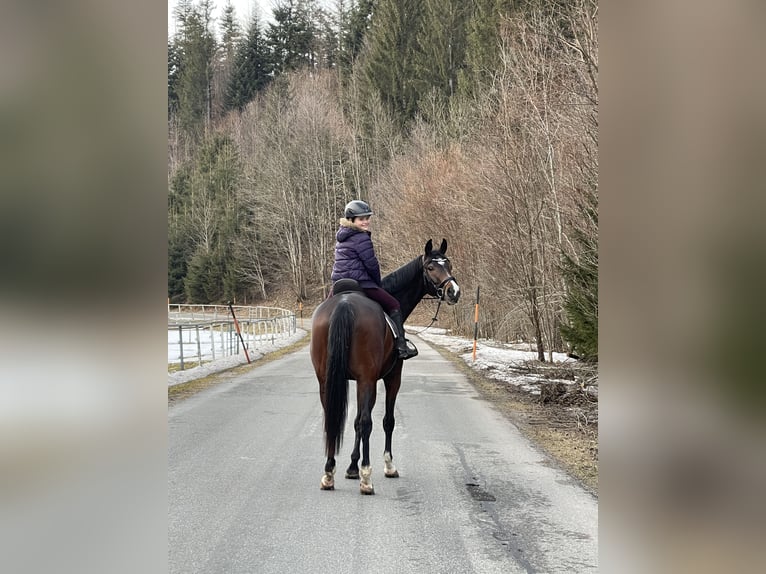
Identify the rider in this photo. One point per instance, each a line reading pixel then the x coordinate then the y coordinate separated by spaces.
pixel 355 259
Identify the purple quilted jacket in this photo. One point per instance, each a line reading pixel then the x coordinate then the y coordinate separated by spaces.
pixel 355 256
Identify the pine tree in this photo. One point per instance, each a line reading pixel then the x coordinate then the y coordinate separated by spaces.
pixel 180 244
pixel 204 280
pixel 326 43
pixel 353 25
pixel 174 64
pixel 196 48
pixel 204 218
pixel 291 36
pixel 251 71
pixel 230 39
pixel 230 32
pixel 581 277
pixel 482 53
pixel 390 64
pixel 441 47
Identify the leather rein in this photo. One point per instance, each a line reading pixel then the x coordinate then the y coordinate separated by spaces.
pixel 438 288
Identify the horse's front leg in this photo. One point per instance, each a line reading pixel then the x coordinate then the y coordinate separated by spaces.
pixel 393 381
pixel 353 468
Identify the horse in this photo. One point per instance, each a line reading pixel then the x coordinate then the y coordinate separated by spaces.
pixel 351 340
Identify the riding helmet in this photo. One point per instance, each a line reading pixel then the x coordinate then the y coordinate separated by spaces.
pixel 357 208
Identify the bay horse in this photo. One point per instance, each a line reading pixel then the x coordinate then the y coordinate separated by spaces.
pixel 351 340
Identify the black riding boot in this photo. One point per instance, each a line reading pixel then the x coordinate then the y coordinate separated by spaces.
pixel 405 348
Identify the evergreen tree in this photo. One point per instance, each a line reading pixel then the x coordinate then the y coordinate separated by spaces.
pixel 180 244
pixel 204 281
pixel 205 216
pixel 230 32
pixel 174 64
pixel 581 277
pixel 230 38
pixel 390 64
pixel 251 71
pixel 441 47
pixel 291 36
pixel 326 43
pixel 353 24
pixel 196 48
pixel 482 52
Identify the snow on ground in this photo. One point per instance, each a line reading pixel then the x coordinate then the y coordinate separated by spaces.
pixel 505 362
pixel 224 363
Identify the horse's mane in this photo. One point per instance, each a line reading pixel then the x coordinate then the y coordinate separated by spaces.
pixel 397 280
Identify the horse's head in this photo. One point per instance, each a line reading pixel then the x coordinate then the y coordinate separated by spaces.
pixel 437 272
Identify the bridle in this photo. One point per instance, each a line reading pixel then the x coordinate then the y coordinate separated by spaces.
pixel 439 289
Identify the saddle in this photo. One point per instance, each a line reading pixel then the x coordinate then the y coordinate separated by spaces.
pixel 345 286
pixel 351 286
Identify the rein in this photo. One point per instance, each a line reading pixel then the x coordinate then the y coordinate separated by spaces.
pixel 438 306
pixel 439 296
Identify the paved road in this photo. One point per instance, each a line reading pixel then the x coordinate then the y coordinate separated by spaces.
pixel 245 460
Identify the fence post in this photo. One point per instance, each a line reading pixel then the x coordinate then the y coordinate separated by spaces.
pixel 181 344
pixel 199 347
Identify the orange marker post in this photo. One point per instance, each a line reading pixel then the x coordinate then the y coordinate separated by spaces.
pixel 476 323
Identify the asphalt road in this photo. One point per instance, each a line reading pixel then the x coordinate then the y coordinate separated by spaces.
pixel 245 459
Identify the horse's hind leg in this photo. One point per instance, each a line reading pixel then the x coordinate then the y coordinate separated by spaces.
pixel 393 381
pixel 365 404
pixel 328 478
pixel 353 469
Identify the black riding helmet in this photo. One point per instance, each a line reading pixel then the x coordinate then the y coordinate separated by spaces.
pixel 357 208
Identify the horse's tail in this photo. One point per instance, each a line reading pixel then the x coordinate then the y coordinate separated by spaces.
pixel 338 344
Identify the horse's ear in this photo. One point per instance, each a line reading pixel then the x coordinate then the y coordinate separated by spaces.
pixel 429 247
pixel 443 247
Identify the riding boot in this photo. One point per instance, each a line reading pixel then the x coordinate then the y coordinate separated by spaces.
pixel 404 347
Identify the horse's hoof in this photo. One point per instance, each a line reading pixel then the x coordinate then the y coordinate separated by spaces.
pixel 389 470
pixel 327 483
pixel 365 486
pixel 352 474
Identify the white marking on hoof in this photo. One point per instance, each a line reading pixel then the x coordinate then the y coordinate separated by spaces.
pixel 390 470
pixel 365 484
pixel 328 481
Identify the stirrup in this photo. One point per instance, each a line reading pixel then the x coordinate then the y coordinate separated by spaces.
pixel 409 350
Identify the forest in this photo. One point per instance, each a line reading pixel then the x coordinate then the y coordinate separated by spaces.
pixel 470 120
